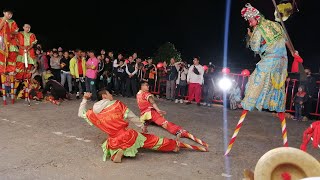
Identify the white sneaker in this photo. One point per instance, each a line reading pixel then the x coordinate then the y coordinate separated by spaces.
pixel 176 101
pixel 181 101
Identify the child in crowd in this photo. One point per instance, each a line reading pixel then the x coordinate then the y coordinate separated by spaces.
pixel 299 99
pixel 7 85
pixel 35 86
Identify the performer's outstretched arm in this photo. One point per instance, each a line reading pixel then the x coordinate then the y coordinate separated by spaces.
pixel 154 105
pixel 82 108
pixel 136 121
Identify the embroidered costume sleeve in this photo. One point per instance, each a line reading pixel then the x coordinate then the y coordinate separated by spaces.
pixel 133 118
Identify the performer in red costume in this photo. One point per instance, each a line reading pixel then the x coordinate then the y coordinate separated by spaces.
pixel 295 65
pixel 8 42
pixel 111 117
pixel 8 49
pixel 150 112
pixel 26 41
pixel 26 57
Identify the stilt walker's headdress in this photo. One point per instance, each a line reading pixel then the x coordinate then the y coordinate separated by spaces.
pixel 250 12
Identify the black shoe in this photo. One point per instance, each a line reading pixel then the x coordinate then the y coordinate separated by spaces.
pixel 78 97
pixel 198 104
pixel 187 103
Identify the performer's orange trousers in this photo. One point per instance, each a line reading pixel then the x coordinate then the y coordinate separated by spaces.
pixel 8 65
pixel 159 143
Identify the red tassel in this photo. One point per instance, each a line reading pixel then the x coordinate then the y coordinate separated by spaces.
pixel 312 131
pixel 316 134
pixel 306 138
pixel 281 115
pixel 286 176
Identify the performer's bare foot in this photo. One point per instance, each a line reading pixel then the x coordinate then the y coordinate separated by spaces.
pixel 118 156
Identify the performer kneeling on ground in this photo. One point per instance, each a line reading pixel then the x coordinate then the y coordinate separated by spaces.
pixel 57 91
pixel 110 116
pixel 151 113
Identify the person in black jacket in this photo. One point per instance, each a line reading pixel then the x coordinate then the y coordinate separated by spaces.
pixel 208 86
pixel 310 85
pixel 99 80
pixel 56 89
pixel 120 79
pixel 65 71
pixel 150 74
pixel 131 82
pixel 172 74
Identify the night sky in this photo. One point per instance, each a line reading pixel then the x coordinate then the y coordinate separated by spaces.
pixel 195 27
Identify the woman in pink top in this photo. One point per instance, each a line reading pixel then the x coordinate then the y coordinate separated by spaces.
pixel 91 75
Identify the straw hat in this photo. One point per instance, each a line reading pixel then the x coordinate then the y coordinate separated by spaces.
pixel 286 161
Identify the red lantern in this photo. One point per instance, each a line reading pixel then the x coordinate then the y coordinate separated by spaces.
pixel 245 72
pixel 160 65
pixel 205 67
pixel 144 62
pixel 225 70
pixel 126 61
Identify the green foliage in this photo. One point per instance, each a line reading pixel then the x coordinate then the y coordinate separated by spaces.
pixel 166 52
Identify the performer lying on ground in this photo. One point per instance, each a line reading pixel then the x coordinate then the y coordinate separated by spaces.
pixel 150 112
pixel 111 117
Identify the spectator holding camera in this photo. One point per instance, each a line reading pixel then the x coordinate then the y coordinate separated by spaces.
pixel 150 73
pixel 181 82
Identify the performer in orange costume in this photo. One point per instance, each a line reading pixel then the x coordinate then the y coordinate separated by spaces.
pixel 26 57
pixel 8 49
pixel 110 116
pixel 26 40
pixel 151 113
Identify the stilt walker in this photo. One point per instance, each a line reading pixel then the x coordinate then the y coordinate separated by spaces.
pixel 151 113
pixel 27 98
pixel 266 86
pixel 3 87
pixel 12 56
pixel 8 49
pixel 26 57
pixel 12 90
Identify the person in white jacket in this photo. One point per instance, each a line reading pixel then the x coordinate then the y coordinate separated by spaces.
pixel 195 81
